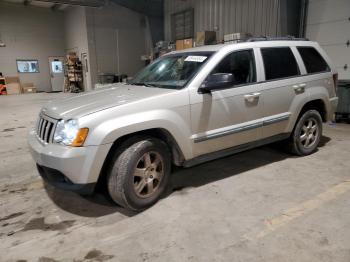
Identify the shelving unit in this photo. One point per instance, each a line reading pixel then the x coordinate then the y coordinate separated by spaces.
pixel 73 74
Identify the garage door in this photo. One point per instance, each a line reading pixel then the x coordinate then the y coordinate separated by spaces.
pixel 328 23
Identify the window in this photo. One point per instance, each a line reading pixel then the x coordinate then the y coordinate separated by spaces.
pixel 240 64
pixel 279 62
pixel 313 61
pixel 57 67
pixel 27 66
pixel 182 25
pixel 172 71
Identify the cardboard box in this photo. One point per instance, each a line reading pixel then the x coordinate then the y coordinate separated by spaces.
pixel 179 44
pixel 12 79
pixel 206 38
pixel 184 44
pixel 188 43
pixel 28 88
pixel 13 88
pixel 236 37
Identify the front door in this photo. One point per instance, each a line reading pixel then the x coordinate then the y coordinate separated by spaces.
pixel 56 65
pixel 231 116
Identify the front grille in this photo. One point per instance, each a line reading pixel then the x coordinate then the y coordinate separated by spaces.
pixel 46 128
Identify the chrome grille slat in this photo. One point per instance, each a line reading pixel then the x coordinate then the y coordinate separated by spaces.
pixel 46 132
pixel 52 132
pixel 46 128
pixel 43 129
pixel 40 125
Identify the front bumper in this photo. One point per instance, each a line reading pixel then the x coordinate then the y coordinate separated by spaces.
pixel 59 180
pixel 78 165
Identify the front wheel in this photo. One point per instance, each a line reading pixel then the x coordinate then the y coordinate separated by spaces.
pixel 140 173
pixel 307 134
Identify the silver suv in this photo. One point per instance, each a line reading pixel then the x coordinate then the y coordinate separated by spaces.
pixel 184 109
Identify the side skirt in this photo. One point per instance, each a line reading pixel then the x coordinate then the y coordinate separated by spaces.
pixel 233 150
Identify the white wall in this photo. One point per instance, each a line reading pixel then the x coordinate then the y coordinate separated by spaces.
pixel 30 33
pixel 117 39
pixel 328 24
pixel 113 37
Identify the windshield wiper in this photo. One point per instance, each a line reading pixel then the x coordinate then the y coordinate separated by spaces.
pixel 144 84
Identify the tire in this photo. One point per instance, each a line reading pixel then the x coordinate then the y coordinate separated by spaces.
pixel 140 173
pixel 307 134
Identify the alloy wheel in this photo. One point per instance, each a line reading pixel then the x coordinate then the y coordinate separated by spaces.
pixel 309 133
pixel 148 174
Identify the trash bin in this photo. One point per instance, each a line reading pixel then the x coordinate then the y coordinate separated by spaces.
pixel 343 110
pixel 106 78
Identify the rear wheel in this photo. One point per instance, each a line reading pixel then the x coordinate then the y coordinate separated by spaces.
pixel 140 173
pixel 306 134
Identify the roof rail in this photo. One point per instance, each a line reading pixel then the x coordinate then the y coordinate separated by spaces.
pixel 278 38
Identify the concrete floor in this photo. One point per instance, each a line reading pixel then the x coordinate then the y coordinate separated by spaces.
pixel 260 205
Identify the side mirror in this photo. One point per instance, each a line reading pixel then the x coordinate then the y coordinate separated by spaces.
pixel 216 81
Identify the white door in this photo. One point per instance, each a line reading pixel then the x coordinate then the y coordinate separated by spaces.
pixel 328 24
pixel 86 77
pixel 56 65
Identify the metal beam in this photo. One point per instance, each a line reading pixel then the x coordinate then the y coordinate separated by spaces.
pixel 55 7
pixel 88 3
pixel 27 2
pixel 147 7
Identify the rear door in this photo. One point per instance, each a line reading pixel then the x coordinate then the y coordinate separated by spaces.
pixel 281 88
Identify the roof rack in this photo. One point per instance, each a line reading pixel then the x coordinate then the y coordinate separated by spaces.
pixel 279 38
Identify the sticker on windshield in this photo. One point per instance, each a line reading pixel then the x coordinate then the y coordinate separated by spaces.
pixel 195 58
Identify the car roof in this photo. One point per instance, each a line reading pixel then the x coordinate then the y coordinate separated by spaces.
pixel 215 48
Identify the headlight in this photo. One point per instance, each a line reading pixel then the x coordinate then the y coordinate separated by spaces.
pixel 68 133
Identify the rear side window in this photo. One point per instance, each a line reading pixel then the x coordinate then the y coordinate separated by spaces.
pixel 313 61
pixel 279 62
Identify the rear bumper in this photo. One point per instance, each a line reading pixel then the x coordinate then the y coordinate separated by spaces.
pixel 333 102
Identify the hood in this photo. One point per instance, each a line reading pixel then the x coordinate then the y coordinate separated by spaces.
pixel 90 102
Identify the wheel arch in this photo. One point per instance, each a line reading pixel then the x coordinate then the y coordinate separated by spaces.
pixel 177 156
pixel 317 104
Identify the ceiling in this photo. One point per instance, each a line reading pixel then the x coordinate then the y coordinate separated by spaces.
pixel 58 4
pixel 148 7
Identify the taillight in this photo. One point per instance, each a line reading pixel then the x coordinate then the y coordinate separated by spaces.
pixel 335 80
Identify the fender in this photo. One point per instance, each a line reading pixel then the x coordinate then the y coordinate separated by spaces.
pixel 171 120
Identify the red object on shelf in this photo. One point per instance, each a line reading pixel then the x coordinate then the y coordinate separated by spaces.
pixel 3 90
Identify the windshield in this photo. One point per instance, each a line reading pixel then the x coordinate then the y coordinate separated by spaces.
pixel 173 71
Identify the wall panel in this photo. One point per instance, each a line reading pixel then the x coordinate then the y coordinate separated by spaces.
pixel 258 17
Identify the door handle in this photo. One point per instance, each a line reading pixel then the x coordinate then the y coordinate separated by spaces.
pixel 251 97
pixel 299 88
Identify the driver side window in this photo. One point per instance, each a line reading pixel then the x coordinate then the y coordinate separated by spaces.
pixel 241 64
